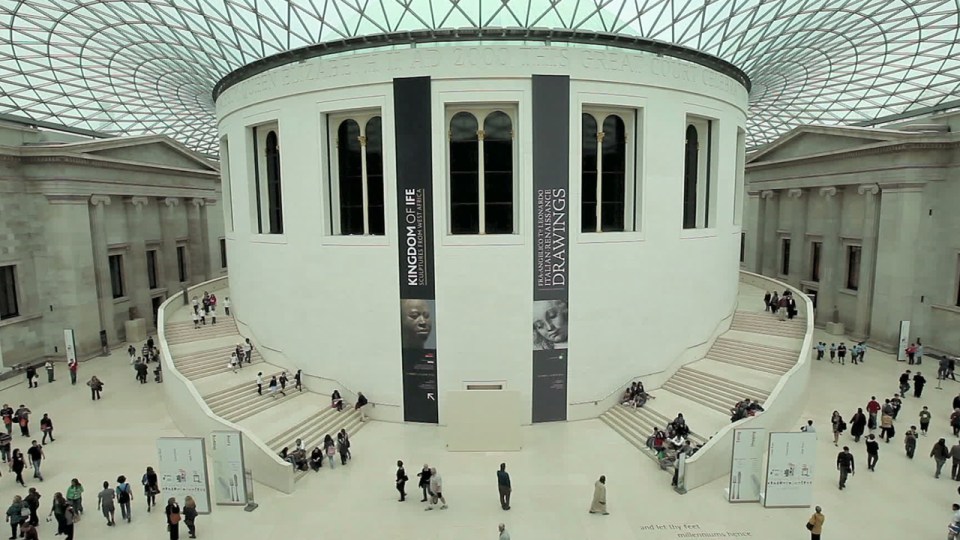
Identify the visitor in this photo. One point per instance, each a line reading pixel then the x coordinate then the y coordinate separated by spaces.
pixel 939 453
pixel 5 441
pixel 36 458
pixel 247 350
pixel 172 512
pixel 15 515
pixel 96 386
pixel 910 441
pixel 873 408
pixel 75 497
pixel 343 446
pixel 336 401
pixel 361 403
pixel 213 320
pixel 436 490
pixel 918 352
pixel 196 319
pixel 896 404
pixel 70 518
pixel 105 503
pixel 283 382
pixel 275 387
pixel 766 301
pixel 924 420
pixel 905 382
pixel 842 353
pixel 838 426
pixel 189 505
pixel 833 352
pixel 857 425
pixel 809 427
pixel 23 419
pixel 142 368
pixel 132 352
pixel 49 367
pixel 815 524
pixel 316 458
pixel 7 414
pixel 504 535
pixel 424 482
pixel 953 528
pixel 31 373
pixel 298 380
pixel 226 306
pixel 401 481
pixel 503 486
pixel 46 427
pixel 17 464
pixel 873 452
pixel 73 366
pixel 32 503
pixel 919 381
pixel 124 497
pixel 234 362
pixel 680 425
pixel 330 449
pixel 886 427
pixel 599 503
pixel 911 351
pixel 57 509
pixel 151 487
pixel 845 465
pixel 259 383
pixel 820 348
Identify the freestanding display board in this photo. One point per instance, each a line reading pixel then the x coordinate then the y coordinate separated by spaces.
pixel 229 481
pixel 790 463
pixel 182 469
pixel 70 344
pixel 418 314
pixel 551 270
pixel 746 465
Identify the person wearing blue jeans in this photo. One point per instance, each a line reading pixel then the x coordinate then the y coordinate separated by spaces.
pixel 36 457
pixel 124 497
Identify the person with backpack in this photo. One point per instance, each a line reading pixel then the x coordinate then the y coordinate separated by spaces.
pixel 124 497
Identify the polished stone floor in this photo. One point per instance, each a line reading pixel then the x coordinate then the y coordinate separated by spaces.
pixel 553 475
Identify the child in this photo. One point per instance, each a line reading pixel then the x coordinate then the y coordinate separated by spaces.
pixel 924 420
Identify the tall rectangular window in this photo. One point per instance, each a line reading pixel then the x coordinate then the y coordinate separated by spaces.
pixel 9 307
pixel 223 253
pixel 481 157
pixel 116 276
pixel 356 173
pixel 853 268
pixel 607 171
pixel 699 189
pixel 743 246
pixel 784 256
pixel 268 187
pixel 225 187
pixel 152 278
pixel 182 263
pixel 815 249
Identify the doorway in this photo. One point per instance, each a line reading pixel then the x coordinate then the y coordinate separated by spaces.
pixel 155 302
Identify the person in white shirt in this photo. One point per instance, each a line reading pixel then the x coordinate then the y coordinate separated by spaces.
pixel 226 306
pixel 436 490
pixel 809 427
pixel 234 362
pixel 213 314
pixel 953 528
pixel 247 350
pixel 260 383
pixel 504 535
pixel 196 319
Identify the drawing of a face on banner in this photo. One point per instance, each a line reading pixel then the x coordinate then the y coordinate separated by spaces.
pixel 549 325
pixel 416 324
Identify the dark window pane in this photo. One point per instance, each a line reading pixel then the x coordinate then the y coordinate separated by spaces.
pixel 182 263
pixel 223 253
pixel 274 192
pixel 613 181
pixel 691 167
pixel 116 275
pixel 464 175
pixel 588 174
pixel 785 256
pixel 374 132
pixel 853 267
pixel 8 293
pixel 350 169
pixel 152 280
pixel 498 173
pixel 815 261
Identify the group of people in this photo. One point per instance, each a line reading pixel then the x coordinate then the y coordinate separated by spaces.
pixel 278 383
pixel 838 353
pixel 783 306
pixel 327 450
pixel 241 354
pixel 148 353
pixel 635 396
pixel 744 409
pixel 33 374
pixel 206 307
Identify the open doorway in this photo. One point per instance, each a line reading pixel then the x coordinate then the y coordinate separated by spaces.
pixel 155 302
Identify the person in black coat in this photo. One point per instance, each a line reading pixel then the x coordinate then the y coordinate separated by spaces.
pixel 401 481
pixel 424 482
pixel 918 382
pixel 857 425
pixel 173 518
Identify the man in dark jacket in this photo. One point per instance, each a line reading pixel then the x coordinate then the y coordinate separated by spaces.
pixel 845 465
pixel 918 382
pixel 424 482
pixel 503 484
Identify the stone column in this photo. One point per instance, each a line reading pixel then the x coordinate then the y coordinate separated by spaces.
pixel 138 286
pixel 771 223
pixel 753 217
pixel 196 234
pixel 868 261
pixel 894 294
pixel 830 256
pixel 168 244
pixel 798 235
pixel 101 264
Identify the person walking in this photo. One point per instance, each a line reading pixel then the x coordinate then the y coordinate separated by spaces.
pixel 436 490
pixel 361 403
pixel 842 353
pixel 401 481
pixel 173 518
pixel 189 505
pixel 7 414
pixel 766 301
pixel 57 510
pixel 919 381
pixel 5 441
pixel 36 458
pixel 953 528
pixel 46 427
pixel 504 535
pixel 910 441
pixel 838 426
pixel 259 383
pixel 298 380
pixel 845 465
pixel 15 515
pixel 343 445
pixel 955 456
pixel 213 320
pixel 424 482
pixel 833 352
pixel 49 367
pixel 226 306
pixel 886 427
pixel 105 503
pixel 124 497
pixel 70 519
pixel 873 408
pixel 73 366
pixel 23 418
pixel 247 350
pixel 330 449
pixel 815 524
pixel 75 497
pixel 503 485
pixel 17 464
pixel 599 503
pixel 873 452
pixel 857 425
pixel 939 453
pixel 151 487
pixel 32 503
pixel 96 386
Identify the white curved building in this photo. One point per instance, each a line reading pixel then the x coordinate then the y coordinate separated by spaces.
pixel 451 209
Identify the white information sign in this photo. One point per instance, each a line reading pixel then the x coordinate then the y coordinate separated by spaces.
pixel 904 341
pixel 182 468
pixel 229 482
pixel 790 462
pixel 746 465
pixel 70 345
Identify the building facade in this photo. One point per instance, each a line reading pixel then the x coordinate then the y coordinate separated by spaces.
pixel 866 220
pixel 524 217
pixel 97 232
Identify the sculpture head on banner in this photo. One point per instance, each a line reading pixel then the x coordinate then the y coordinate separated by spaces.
pixel 416 323
pixel 550 324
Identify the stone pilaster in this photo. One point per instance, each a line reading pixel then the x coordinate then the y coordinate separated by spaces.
pixel 168 244
pixel 197 233
pixel 771 223
pixel 831 257
pixel 798 234
pixel 868 260
pixel 101 264
pixel 138 286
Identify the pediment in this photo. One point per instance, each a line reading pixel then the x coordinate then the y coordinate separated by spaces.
pixel 806 142
pixel 152 150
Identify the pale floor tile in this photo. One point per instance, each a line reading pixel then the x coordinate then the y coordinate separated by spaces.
pixel 553 474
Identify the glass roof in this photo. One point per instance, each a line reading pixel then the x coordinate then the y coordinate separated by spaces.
pixel 149 66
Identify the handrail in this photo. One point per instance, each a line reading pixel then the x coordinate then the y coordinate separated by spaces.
pixel 725 434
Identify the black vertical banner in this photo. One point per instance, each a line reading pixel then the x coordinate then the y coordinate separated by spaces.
pixel 551 270
pixel 418 330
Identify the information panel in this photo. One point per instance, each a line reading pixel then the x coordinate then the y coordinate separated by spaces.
pixel 746 465
pixel 418 314
pixel 182 469
pixel 551 167
pixel 790 463
pixel 229 482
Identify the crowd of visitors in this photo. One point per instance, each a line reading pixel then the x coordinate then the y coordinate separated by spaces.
pixel 783 306
pixel 206 308
pixel 635 396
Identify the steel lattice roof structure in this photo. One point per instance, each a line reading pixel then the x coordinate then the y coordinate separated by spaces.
pixel 149 66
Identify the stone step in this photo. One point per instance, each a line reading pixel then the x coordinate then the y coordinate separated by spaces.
pixel 759 360
pixel 774 369
pixel 722 383
pixel 248 406
pixel 764 351
pixel 242 389
pixel 699 395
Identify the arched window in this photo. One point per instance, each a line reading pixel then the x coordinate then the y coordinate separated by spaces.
pixel 357 200
pixel 691 169
pixel 481 165
pixel 274 191
pixel 606 182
